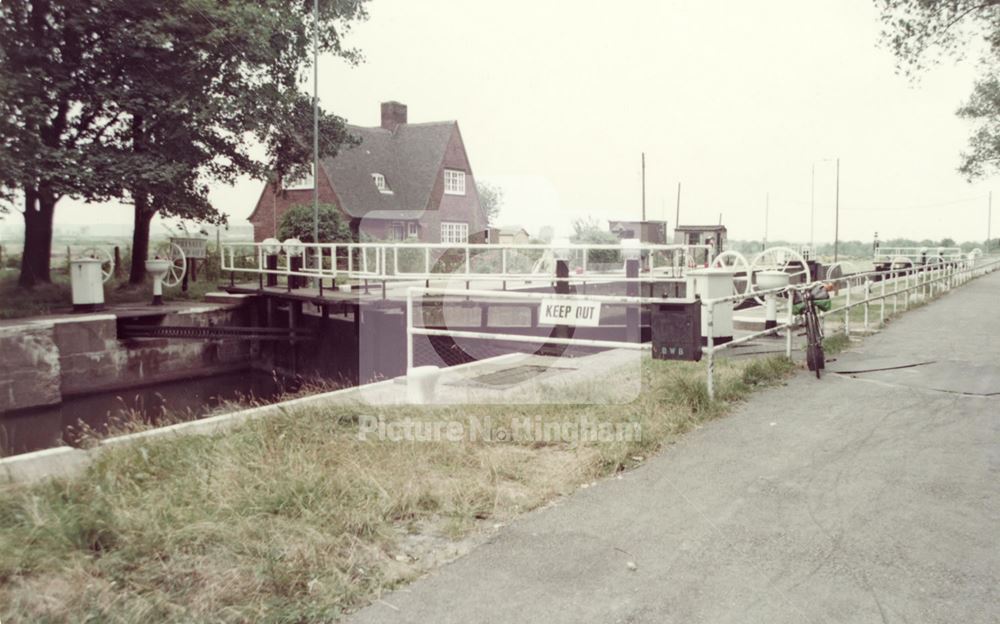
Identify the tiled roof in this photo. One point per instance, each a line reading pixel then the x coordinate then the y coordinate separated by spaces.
pixel 409 157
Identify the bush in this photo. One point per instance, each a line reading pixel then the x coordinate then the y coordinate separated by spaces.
pixel 298 223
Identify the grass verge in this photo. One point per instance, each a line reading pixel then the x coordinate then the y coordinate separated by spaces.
pixel 295 519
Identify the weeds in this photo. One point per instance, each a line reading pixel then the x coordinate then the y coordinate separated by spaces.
pixel 293 518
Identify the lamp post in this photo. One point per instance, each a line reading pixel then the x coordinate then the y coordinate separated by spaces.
pixel 812 201
pixel 836 226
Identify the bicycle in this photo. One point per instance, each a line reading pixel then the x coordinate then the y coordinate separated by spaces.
pixel 815 358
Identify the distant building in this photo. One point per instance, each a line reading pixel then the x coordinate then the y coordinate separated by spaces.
pixel 512 235
pixel 714 235
pixel 403 181
pixel 653 232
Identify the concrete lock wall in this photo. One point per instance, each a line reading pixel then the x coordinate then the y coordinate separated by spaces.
pixel 45 361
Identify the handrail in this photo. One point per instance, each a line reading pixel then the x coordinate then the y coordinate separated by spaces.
pixel 930 280
pixel 381 261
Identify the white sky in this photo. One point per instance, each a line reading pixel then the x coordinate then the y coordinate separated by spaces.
pixel 557 100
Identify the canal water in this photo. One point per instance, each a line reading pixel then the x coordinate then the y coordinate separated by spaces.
pixel 28 430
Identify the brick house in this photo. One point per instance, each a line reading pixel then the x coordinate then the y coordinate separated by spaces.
pixel 403 181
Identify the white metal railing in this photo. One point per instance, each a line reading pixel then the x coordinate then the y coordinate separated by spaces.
pixel 894 284
pixel 918 255
pixel 929 281
pixel 436 261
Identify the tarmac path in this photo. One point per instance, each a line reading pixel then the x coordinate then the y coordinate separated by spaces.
pixel 863 497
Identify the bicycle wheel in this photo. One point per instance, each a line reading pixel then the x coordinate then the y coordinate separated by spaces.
pixel 815 359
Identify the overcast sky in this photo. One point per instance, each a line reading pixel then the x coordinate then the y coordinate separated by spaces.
pixel 735 100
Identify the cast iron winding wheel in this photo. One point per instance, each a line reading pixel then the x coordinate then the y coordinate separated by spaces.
pixel 735 261
pixel 107 261
pixel 172 253
pixel 779 259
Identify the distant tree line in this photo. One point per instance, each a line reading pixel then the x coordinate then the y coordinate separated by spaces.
pixel 855 248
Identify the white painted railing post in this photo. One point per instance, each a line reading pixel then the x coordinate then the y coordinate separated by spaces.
pixel 881 307
pixel 710 351
pixel 409 330
pixel 868 294
pixel 789 320
pixel 847 310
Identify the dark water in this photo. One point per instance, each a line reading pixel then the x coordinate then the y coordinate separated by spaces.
pixel 28 430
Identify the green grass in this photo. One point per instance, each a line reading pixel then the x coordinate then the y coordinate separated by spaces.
pixel 293 518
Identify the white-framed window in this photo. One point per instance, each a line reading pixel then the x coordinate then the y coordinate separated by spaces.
pixel 413 229
pixel 454 182
pixel 452 232
pixel 380 184
pixel 396 230
pixel 299 178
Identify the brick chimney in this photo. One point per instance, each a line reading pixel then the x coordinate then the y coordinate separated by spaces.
pixel 393 114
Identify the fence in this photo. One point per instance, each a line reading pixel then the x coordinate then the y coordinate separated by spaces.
pixel 898 284
pixel 470 262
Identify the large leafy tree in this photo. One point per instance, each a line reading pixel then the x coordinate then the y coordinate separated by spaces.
pixel 192 87
pixel 921 32
pixel 56 83
pixel 226 73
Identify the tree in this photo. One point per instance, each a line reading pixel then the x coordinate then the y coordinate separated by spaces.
pixel 589 230
pixel 491 199
pixel 149 100
pixel 298 223
pixel 920 32
pixel 225 72
pixel 57 83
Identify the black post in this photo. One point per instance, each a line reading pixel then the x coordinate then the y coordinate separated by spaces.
pixel 632 290
pixel 295 264
pixel 562 288
pixel 271 263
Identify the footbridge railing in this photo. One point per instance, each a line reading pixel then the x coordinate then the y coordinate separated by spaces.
pixel 389 262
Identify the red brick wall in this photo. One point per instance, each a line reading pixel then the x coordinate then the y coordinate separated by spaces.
pixel 270 207
pixel 461 208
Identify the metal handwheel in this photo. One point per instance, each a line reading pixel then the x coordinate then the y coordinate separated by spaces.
pixel 731 259
pixel 779 259
pixel 178 263
pixel 107 261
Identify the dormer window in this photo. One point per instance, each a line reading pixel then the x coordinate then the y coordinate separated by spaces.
pixel 454 182
pixel 299 178
pixel 380 184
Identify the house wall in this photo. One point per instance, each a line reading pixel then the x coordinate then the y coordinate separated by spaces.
pixel 271 207
pixel 461 208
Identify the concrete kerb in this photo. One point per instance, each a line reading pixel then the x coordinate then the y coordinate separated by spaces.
pixel 67 462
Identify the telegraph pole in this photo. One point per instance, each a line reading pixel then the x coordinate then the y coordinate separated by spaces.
pixel 767 210
pixel 812 212
pixel 836 226
pixel 316 122
pixel 677 216
pixel 644 186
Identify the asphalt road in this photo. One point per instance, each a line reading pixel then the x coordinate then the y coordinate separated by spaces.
pixel 864 498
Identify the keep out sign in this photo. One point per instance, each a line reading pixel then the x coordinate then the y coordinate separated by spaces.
pixel 562 312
